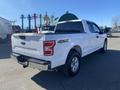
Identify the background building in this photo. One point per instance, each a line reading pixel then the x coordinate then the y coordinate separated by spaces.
pixel 5 28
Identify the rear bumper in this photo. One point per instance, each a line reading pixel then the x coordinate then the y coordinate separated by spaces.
pixel 31 62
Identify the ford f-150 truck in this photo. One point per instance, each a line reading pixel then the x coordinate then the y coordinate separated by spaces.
pixel 64 47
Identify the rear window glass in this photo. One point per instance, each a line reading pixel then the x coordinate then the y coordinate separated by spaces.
pixel 70 27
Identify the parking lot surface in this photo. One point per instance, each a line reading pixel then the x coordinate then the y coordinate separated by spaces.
pixel 98 72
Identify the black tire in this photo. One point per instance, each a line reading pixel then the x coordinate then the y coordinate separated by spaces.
pixel 104 49
pixel 73 59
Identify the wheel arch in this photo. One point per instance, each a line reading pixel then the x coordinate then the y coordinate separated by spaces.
pixel 77 49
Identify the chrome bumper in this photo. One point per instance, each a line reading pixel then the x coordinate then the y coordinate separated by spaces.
pixel 31 62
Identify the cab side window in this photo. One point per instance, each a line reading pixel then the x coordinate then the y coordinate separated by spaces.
pixel 96 28
pixel 93 27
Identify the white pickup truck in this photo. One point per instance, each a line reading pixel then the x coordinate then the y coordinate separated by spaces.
pixel 64 47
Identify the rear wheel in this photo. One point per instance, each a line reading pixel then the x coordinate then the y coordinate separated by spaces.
pixel 72 65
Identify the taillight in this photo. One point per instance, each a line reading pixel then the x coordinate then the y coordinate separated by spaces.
pixel 48 47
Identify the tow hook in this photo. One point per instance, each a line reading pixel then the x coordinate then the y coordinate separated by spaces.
pixel 25 65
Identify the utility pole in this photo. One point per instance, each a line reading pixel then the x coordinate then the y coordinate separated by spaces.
pixel 35 23
pixel 22 18
pixel 29 22
pixel 40 17
pixel 40 21
pixel 13 26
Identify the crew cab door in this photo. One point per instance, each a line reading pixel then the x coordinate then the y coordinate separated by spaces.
pixel 100 37
pixel 96 39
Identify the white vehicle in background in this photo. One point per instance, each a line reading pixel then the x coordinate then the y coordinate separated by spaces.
pixel 5 28
pixel 70 41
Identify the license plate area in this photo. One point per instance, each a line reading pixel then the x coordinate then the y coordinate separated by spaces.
pixel 33 63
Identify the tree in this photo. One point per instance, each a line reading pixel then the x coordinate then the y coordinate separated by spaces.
pixel 116 22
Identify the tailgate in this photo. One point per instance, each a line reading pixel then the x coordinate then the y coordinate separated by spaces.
pixel 29 44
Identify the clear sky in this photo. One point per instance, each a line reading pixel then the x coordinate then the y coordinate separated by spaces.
pixel 99 11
